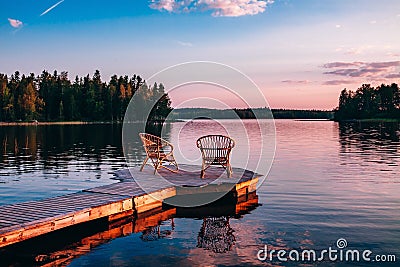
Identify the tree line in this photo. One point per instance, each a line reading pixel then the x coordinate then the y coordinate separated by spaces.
pixel 53 97
pixel 302 114
pixel 249 113
pixel 368 102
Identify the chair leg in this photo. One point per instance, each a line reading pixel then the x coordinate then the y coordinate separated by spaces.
pixel 202 173
pixel 229 170
pixel 176 164
pixel 144 163
pixel 173 162
pixel 156 167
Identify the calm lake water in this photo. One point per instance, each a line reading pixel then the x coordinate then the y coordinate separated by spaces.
pixel 328 181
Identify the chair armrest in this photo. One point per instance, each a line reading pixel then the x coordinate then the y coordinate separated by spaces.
pixel 166 143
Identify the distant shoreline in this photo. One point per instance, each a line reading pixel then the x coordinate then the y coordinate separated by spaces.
pixel 34 123
pixel 42 123
pixel 370 120
pixel 205 113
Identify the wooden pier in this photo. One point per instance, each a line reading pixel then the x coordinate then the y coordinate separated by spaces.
pixel 75 241
pixel 22 221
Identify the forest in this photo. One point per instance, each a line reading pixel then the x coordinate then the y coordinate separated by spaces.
pixel 53 97
pixel 367 102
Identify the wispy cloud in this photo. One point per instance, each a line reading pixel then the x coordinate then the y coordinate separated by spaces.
pixel 298 82
pixel 365 49
pixel 341 64
pixel 187 44
pixel 393 76
pixel 219 8
pixel 15 23
pixel 51 8
pixel 374 70
pixel 392 54
pixel 337 82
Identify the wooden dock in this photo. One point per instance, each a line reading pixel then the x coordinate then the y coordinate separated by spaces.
pixel 22 221
pixel 159 221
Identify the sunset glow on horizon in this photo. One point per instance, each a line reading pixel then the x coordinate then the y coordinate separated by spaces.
pixel 301 54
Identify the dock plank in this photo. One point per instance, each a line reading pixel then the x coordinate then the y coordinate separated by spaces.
pixel 29 210
pixel 5 223
pixel 39 206
pixel 130 189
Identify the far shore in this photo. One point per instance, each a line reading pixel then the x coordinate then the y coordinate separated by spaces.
pixel 371 120
pixel 33 123
pixel 37 123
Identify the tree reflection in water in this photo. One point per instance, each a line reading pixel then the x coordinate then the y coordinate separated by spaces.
pixel 216 235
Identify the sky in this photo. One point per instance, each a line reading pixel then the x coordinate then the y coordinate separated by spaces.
pixel 300 54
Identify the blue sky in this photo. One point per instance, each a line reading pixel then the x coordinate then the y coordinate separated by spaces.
pixel 300 53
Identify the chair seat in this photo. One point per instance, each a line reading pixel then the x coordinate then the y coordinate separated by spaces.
pixel 162 156
pixel 216 159
pixel 156 155
pixel 216 148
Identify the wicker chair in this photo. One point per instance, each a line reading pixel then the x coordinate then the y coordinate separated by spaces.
pixel 215 150
pixel 159 151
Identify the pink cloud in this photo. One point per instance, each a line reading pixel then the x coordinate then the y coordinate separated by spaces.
pixel 219 8
pixel 393 76
pixel 384 64
pixel 338 82
pixel 296 81
pixel 341 64
pixel 168 5
pixel 15 23
pixel 235 8
pixel 374 70
pixel 356 50
pixel 391 54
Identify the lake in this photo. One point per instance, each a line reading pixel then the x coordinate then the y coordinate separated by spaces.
pixel 328 181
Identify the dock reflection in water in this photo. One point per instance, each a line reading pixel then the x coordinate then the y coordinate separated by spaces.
pixel 215 235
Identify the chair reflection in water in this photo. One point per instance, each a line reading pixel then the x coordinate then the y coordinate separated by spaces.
pixel 215 150
pixel 216 235
pixel 160 153
pixel 154 233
